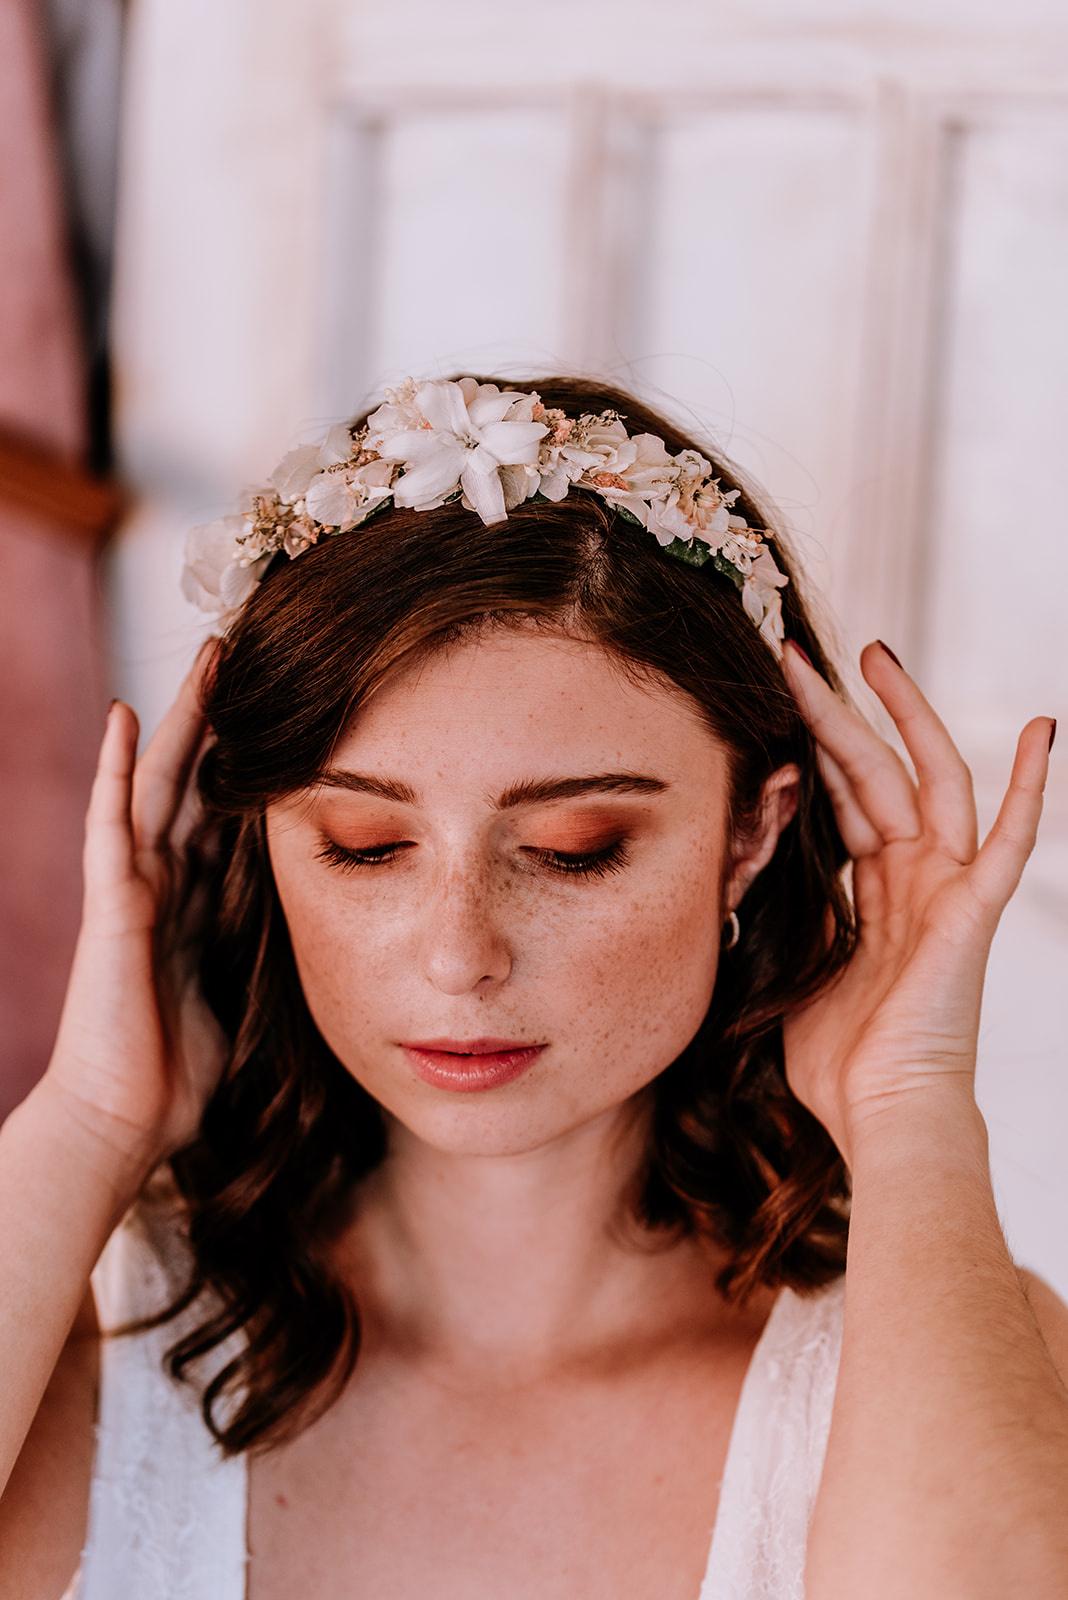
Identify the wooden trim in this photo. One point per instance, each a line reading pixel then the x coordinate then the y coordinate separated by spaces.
pixel 36 479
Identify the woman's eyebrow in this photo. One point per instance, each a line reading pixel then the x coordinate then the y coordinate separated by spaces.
pixel 529 791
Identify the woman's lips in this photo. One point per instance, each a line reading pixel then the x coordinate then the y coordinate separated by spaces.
pixel 448 1069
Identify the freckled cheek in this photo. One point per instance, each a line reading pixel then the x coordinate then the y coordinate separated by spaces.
pixel 324 932
pixel 639 978
pixel 344 971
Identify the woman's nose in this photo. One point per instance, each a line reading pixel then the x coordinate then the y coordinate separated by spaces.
pixel 462 937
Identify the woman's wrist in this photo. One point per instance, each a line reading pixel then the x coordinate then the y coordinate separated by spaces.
pixel 940 1123
pixel 122 1160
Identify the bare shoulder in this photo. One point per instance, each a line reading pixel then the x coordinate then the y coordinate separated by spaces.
pixel 1051 1314
pixel 44 1512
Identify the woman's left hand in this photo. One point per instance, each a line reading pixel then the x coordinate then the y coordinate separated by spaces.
pixel 901 1020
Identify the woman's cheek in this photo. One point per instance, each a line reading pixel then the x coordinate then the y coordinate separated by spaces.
pixel 646 972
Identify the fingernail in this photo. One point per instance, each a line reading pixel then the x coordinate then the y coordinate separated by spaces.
pixel 889 652
pixel 1052 731
pixel 803 653
pixel 107 714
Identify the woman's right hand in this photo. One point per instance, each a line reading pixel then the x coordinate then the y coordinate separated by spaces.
pixel 138 1051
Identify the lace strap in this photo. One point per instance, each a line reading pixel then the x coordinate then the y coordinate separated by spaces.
pixel 166 1511
pixel 776 1452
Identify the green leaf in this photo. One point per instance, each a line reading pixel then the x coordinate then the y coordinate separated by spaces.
pixel 693 552
pixel 728 569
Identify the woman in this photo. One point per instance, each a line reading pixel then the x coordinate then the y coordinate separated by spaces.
pixel 508 978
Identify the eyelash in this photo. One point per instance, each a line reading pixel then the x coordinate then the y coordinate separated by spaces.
pixel 591 864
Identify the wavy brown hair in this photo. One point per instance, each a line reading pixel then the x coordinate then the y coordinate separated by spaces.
pixel 288 1133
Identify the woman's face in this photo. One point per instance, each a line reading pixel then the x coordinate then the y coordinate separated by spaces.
pixel 472 929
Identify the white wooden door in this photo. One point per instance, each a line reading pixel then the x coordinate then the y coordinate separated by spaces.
pixel 833 236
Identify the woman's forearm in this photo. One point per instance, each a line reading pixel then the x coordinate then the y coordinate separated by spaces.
pixel 61 1194
pixel 946 1474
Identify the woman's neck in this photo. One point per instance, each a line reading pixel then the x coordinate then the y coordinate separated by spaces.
pixel 504 1267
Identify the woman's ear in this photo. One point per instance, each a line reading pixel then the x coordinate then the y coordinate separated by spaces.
pixel 779 801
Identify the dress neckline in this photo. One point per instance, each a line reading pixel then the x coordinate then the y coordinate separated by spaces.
pixel 748 1397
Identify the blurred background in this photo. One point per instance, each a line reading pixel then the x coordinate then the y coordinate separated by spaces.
pixel 830 234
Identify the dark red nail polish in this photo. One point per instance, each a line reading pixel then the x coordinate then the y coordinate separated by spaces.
pixel 1052 733
pixel 889 652
pixel 804 653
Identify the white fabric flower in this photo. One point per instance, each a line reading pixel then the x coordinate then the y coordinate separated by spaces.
pixel 562 466
pixel 667 521
pixel 213 577
pixel 585 447
pixel 630 472
pixel 296 469
pixel 398 411
pixel 762 600
pixel 742 547
pixel 300 535
pixel 563 463
pixel 343 497
pixel 464 438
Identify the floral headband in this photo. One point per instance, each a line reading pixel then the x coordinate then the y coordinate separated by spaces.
pixel 439 440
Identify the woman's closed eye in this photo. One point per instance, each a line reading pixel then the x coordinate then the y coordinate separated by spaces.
pixel 589 863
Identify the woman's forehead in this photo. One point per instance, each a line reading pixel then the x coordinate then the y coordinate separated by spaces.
pixel 533 696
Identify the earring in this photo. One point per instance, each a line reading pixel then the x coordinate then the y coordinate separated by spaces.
pixel 735 931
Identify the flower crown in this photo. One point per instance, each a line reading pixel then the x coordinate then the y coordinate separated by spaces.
pixel 439 440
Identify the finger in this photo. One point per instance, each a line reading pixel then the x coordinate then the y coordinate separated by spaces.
pixel 107 855
pixel 858 835
pixel 881 782
pixel 998 867
pixel 160 775
pixel 946 791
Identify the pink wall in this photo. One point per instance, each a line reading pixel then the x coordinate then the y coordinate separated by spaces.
pixel 52 689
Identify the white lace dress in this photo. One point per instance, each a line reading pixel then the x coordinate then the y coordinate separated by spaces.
pixel 167 1515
